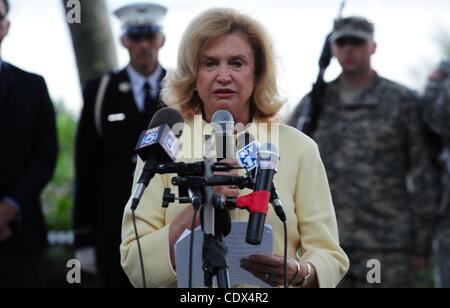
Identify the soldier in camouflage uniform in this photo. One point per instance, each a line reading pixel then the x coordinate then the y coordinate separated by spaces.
pixel 437 115
pixel 371 141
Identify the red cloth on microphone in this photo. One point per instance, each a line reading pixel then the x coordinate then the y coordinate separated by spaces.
pixel 256 202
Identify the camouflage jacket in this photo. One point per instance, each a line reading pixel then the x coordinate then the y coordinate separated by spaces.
pixel 372 149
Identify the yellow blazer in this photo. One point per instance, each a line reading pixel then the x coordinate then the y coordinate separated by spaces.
pixel 303 187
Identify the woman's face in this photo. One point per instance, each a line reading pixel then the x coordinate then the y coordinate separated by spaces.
pixel 226 76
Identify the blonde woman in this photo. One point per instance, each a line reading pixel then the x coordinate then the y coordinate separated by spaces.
pixel 225 62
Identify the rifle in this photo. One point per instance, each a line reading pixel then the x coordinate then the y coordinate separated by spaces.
pixel 311 109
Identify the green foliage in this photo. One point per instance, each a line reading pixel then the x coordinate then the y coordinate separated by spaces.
pixel 58 196
pixel 426 277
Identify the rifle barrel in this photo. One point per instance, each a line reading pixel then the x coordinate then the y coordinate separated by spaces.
pixel 341 10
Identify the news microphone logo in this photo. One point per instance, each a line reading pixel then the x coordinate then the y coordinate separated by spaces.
pixel 247 157
pixel 162 136
pixel 172 145
pixel 150 137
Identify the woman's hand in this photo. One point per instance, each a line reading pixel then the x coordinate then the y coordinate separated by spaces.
pixel 177 227
pixel 270 269
pixel 228 191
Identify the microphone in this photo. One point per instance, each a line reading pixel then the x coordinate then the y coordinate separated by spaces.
pixel 258 201
pixel 223 125
pixel 157 145
pixel 246 155
pixel 268 159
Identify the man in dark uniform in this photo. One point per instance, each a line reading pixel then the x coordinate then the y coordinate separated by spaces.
pixel 117 108
pixel 27 160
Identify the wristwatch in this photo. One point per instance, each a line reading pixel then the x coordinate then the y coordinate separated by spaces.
pixel 308 276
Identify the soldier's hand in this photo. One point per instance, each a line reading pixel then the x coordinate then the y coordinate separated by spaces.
pixel 419 263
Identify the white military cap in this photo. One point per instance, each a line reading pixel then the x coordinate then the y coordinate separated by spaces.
pixel 141 17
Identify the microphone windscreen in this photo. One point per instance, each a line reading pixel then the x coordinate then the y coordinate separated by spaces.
pixel 222 116
pixel 168 116
pixel 224 119
pixel 268 156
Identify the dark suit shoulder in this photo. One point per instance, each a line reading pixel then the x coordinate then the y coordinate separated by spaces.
pixel 114 76
pixel 28 85
pixel 91 88
pixel 18 74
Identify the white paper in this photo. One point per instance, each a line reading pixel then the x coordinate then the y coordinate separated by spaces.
pixel 238 249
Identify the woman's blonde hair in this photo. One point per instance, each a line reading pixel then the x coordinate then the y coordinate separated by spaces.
pixel 179 90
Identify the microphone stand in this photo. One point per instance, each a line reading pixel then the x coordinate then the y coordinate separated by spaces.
pixel 201 195
pixel 214 250
pixel 215 220
pixel 214 223
pixel 213 217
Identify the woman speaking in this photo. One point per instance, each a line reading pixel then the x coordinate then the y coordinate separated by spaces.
pixel 226 62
